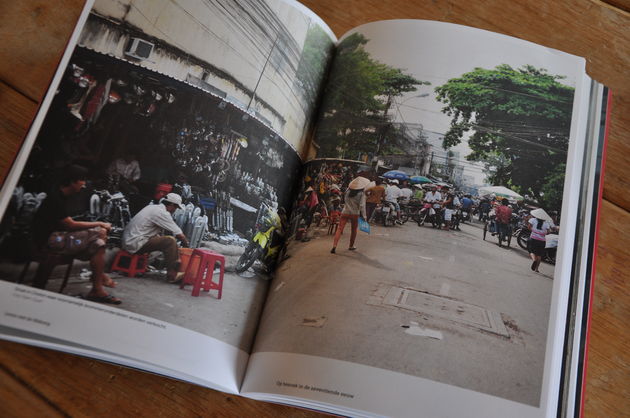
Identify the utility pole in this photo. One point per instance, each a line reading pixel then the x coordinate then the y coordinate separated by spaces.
pixel 263 71
pixel 381 137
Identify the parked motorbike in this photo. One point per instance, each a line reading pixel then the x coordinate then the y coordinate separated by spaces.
pixel 551 248
pixel 113 209
pixel 267 243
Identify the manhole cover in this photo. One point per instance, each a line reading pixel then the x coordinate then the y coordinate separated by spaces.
pixel 440 307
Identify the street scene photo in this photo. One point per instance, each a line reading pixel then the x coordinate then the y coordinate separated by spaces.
pixel 162 173
pixel 424 235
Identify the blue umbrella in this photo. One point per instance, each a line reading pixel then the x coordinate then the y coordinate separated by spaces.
pixel 395 174
pixel 419 180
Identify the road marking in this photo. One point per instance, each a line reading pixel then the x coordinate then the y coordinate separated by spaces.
pixel 425 258
pixel 451 258
pixel 316 322
pixel 415 329
pixel 279 287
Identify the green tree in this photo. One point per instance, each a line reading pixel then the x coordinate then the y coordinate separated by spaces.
pixel 358 95
pixel 521 116
pixel 312 66
pixel 551 192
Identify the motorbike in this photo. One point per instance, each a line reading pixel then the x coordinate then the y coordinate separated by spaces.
pixel 388 214
pixel 551 248
pixel 490 225
pixel 113 209
pixel 267 243
pixel 404 213
pixel 523 237
pixel 466 215
pixel 413 209
pixel 385 213
pixel 430 214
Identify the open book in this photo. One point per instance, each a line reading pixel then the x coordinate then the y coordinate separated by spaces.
pixel 251 134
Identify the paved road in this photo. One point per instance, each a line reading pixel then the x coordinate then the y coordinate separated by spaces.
pixel 337 306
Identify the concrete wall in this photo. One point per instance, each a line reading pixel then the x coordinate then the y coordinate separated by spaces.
pixel 205 34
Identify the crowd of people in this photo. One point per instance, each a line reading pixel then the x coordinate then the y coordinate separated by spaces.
pixel 347 196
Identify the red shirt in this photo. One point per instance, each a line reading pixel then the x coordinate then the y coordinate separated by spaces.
pixel 504 213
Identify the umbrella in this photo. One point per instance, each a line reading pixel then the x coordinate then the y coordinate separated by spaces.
pixel 419 180
pixel 397 175
pixel 499 191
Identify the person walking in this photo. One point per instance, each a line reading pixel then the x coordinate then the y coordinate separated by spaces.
pixel 354 206
pixel 503 218
pixel 539 226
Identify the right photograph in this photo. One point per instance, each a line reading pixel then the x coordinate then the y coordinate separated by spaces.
pixel 424 237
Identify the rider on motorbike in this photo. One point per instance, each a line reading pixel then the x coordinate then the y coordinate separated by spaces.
pixel 434 197
pixel 448 203
pixel 392 193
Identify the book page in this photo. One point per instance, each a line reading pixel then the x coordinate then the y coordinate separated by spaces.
pixel 466 146
pixel 167 121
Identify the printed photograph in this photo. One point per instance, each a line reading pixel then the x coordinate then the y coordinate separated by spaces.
pixel 425 232
pixel 160 180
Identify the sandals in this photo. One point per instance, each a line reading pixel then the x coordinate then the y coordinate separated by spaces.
pixel 109 299
pixel 178 278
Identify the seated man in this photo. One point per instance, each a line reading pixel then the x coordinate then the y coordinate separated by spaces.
pixel 55 231
pixel 144 233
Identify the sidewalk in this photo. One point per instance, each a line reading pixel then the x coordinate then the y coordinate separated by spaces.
pixel 231 319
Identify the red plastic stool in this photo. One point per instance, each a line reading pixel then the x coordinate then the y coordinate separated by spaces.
pixel 130 264
pixel 202 278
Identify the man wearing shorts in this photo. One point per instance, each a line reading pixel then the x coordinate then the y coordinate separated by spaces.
pixel 56 232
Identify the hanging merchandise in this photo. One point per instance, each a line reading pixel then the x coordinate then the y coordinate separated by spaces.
pixel 86 83
pixel 92 108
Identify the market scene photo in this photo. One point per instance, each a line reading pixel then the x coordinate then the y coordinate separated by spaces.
pixel 425 231
pixel 160 180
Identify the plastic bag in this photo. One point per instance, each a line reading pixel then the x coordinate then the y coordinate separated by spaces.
pixel 364 225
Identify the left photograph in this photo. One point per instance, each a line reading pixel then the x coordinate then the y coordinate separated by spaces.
pixel 160 179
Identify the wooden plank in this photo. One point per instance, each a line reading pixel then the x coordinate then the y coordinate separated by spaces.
pixel 24 402
pixel 15 117
pixel 33 34
pixel 83 387
pixel 608 369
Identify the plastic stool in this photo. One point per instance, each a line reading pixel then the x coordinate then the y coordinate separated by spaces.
pixel 130 264
pixel 202 278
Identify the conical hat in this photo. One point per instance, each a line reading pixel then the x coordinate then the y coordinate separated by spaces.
pixel 541 214
pixel 358 183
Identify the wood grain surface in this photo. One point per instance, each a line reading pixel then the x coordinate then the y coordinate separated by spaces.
pixel 33 34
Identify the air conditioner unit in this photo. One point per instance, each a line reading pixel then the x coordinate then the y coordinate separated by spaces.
pixel 139 49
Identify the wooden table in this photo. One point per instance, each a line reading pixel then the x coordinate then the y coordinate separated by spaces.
pixel 33 34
